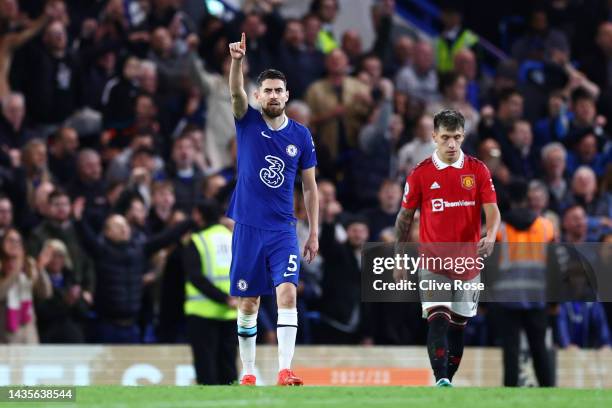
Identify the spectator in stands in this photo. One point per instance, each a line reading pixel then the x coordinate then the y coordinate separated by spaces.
pixel 384 215
pixel 465 64
pixel 120 264
pixel 352 47
pixel 489 151
pixel 596 65
pixel 342 313
pixel 260 46
pixel 119 98
pixel 539 39
pixel 598 206
pixel 58 225
pixel 51 80
pixel 453 37
pixel 89 184
pixel 420 79
pixel 327 11
pixel 14 133
pixel 585 116
pixel 162 205
pixel 34 159
pixel 6 214
pixel 120 167
pixel 301 66
pixel 20 282
pixel 510 109
pixel 453 88
pixel 586 152
pixel 184 174
pixel 378 142
pixel 554 161
pixel 554 127
pixel 417 150
pixel 538 202
pixel 402 56
pixel 62 317
pixel 520 156
pixel 12 39
pixel 172 69
pixel 63 154
pixel 574 225
pixel 339 106
pixel 583 325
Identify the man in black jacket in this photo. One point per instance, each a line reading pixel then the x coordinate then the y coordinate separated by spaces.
pixel 343 316
pixel 120 265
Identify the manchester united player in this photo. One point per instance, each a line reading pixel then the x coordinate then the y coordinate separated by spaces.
pixel 450 188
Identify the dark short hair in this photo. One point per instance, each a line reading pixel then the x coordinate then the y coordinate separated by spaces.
pixel 517 191
pixel 271 74
pixel 210 210
pixel 447 80
pixel 449 119
pixel 508 93
pixel 56 193
pixel 582 94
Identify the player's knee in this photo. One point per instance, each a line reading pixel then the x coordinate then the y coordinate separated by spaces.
pixel 286 295
pixel 439 312
pixel 286 302
pixel 458 320
pixel 249 305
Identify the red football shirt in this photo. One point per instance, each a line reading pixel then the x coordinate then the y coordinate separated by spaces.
pixel 450 197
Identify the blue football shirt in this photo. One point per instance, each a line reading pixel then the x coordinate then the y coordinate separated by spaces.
pixel 268 161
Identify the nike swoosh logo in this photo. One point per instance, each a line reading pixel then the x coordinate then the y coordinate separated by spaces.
pixel 264 135
pixel 288 274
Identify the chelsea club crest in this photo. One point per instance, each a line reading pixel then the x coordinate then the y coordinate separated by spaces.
pixel 291 150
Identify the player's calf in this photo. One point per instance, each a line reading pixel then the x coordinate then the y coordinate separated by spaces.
pixel 455 343
pixel 438 319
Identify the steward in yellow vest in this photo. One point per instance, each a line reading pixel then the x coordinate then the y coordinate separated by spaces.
pixel 453 37
pixel 211 312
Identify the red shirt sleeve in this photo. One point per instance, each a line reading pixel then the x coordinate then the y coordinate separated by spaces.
pixel 412 191
pixel 486 189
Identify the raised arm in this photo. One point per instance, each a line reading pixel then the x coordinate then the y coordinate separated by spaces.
pixel 311 202
pixel 236 79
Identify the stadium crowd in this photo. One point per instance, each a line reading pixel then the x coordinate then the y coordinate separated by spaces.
pixel 116 121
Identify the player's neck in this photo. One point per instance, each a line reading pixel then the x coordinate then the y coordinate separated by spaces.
pixel 275 123
pixel 445 161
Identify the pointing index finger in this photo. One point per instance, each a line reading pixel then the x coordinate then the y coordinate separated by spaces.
pixel 243 41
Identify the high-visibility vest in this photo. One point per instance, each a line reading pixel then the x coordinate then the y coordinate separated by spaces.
pixel 214 245
pixel 445 56
pixel 326 42
pixel 523 256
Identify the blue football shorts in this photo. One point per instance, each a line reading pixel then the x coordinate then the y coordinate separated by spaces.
pixel 262 260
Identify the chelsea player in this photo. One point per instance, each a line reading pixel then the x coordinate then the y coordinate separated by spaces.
pixel 265 254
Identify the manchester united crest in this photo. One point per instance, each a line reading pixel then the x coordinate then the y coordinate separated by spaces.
pixel 468 181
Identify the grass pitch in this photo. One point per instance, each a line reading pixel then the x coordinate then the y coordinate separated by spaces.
pixel 315 397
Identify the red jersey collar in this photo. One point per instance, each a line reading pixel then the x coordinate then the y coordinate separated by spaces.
pixel 440 165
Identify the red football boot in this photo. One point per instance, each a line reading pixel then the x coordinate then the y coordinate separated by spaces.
pixel 248 379
pixel 287 377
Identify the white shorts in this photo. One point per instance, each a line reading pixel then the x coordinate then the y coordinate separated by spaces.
pixel 462 302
